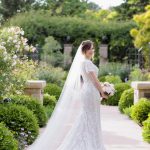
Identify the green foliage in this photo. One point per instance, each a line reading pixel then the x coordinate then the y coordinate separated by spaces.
pixel 5 67
pixel 33 105
pixel 138 75
pixel 140 111
pixel 113 100
pixel 53 89
pixel 50 74
pixel 49 110
pixel 40 24
pixel 100 15
pixel 51 52
pixel 49 100
pixel 13 62
pixel 146 129
pixel 55 7
pixel 10 8
pixel 130 7
pixel 20 76
pixel 93 6
pixel 112 68
pixel 21 121
pixel 56 26
pixel 113 79
pixel 101 78
pixel 141 34
pixel 120 42
pixel 67 7
pixel 126 99
pixel 7 141
pixel 127 111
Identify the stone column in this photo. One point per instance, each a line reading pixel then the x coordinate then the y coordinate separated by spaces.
pixel 67 54
pixel 103 52
pixel 35 88
pixel 141 89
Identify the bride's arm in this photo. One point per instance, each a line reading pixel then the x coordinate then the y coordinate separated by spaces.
pixel 92 76
pixel 96 83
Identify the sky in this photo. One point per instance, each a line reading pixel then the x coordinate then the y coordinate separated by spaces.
pixel 105 4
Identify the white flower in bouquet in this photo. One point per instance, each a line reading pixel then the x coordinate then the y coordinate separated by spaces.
pixel 108 88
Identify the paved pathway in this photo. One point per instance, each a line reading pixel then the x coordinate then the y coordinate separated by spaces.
pixel 119 132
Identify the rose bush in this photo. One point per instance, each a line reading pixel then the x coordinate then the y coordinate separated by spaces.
pixel 13 60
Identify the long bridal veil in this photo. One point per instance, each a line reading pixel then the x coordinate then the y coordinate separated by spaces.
pixel 66 111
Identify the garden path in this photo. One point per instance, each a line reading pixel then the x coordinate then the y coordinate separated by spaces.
pixel 119 132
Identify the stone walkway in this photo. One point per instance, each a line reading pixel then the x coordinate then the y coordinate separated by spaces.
pixel 119 132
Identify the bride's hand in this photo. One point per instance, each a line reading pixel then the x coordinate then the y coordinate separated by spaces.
pixel 104 95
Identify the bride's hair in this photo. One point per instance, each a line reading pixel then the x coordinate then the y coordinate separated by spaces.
pixel 86 45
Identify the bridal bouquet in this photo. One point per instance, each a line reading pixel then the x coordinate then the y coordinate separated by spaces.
pixel 108 88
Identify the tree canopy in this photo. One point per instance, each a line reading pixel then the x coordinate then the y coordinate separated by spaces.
pixel 131 7
pixel 55 7
pixel 142 33
pixel 11 7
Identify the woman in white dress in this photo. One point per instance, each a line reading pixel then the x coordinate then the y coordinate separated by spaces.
pixel 75 123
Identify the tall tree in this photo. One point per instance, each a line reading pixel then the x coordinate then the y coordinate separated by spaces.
pixel 141 34
pixel 130 8
pixel 10 7
pixel 93 6
pixel 67 7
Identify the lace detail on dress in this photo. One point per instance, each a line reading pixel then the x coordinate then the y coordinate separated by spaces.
pixel 85 133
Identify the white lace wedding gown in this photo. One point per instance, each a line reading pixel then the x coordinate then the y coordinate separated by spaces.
pixel 86 132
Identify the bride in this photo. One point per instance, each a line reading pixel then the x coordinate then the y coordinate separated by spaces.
pixel 75 123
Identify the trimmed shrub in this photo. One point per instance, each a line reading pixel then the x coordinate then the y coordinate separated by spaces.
pixel 127 111
pixel 146 129
pixel 126 99
pixel 113 79
pixel 139 75
pixel 113 100
pixel 53 89
pixel 102 78
pixel 140 111
pixel 49 110
pixel 113 68
pixel 33 105
pixel 50 74
pixel 49 100
pixel 21 121
pixel 7 141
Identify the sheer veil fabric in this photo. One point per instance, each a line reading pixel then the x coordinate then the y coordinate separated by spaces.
pixel 67 113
